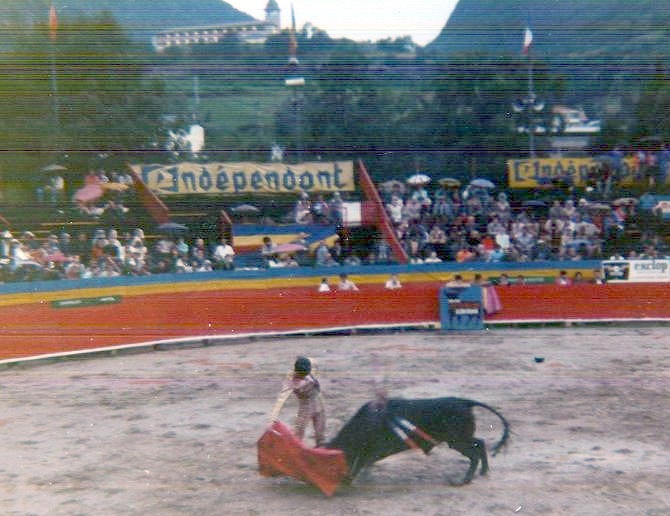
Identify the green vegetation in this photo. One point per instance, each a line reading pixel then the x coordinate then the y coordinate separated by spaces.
pixel 96 91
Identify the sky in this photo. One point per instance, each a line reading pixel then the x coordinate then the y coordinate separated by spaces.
pixel 362 20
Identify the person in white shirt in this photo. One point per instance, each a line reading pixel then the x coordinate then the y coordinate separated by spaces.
pixel 346 283
pixel 324 286
pixel 393 283
pixel 224 255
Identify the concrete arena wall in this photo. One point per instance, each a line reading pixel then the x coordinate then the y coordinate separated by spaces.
pixel 34 320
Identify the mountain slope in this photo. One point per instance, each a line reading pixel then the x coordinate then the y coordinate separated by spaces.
pixel 592 30
pixel 134 15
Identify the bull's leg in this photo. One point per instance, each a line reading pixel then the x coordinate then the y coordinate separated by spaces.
pixel 475 450
pixel 481 445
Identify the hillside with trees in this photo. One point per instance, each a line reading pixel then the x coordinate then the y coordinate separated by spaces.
pixel 446 109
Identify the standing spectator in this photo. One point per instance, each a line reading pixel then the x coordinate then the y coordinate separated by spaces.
pixel 324 286
pixel 598 277
pixel 336 208
pixel 396 210
pixel 302 211
pixel 504 281
pixel 563 279
pixel 320 210
pixel 6 244
pixel 56 189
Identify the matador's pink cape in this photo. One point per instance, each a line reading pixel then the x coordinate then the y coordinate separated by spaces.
pixel 280 452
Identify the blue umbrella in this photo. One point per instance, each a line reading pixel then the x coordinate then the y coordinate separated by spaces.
pixel 482 183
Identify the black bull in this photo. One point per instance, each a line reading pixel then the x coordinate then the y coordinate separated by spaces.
pixel 373 432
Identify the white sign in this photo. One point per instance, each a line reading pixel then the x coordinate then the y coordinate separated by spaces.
pixel 643 271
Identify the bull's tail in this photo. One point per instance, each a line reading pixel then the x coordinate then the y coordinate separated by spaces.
pixel 505 435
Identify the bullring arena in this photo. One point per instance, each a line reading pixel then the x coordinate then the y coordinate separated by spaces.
pixel 175 431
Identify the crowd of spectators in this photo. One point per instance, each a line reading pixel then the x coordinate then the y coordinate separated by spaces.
pixel 447 223
pixel 476 224
pixel 106 253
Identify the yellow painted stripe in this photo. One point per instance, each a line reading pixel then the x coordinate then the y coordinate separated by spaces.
pixel 283 238
pixel 245 284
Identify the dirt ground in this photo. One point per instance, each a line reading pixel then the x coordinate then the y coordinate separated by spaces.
pixel 174 432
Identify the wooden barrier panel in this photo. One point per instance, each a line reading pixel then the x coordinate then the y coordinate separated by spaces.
pixel 35 328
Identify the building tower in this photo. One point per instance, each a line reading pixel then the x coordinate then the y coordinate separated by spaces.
pixel 273 13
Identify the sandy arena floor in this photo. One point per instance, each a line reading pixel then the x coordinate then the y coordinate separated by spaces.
pixel 174 432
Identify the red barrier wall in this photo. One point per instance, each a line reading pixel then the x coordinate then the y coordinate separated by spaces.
pixel 39 328
pixel 613 301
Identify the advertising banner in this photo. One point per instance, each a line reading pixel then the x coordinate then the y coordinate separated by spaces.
pixel 531 173
pixel 647 271
pixel 246 177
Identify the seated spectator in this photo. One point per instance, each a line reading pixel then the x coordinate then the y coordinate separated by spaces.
pixel 465 254
pixel 106 267
pixel 323 258
pixel 432 258
pixel 180 262
pixel 420 195
pixel 526 242
pixel 199 262
pixel 443 208
pixel 223 255
pixel 74 269
pixel 352 260
pixel 337 251
pixel 412 211
pixel 182 247
pixel 437 240
pixel 413 249
pixel 383 254
pixel 198 248
pixel 502 208
pixel 393 283
pixel 163 246
pixel 496 255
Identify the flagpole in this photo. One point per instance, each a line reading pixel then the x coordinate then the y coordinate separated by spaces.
pixel 53 26
pixel 531 101
pixel 54 89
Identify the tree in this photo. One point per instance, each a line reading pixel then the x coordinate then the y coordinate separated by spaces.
pixel 84 92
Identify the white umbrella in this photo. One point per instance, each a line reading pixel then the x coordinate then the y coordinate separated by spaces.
pixel 418 179
pixel 482 183
pixel 54 167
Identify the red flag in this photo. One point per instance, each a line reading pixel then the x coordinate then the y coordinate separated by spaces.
pixel 527 41
pixel 53 22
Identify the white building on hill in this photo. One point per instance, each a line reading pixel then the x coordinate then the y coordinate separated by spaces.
pixel 253 32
